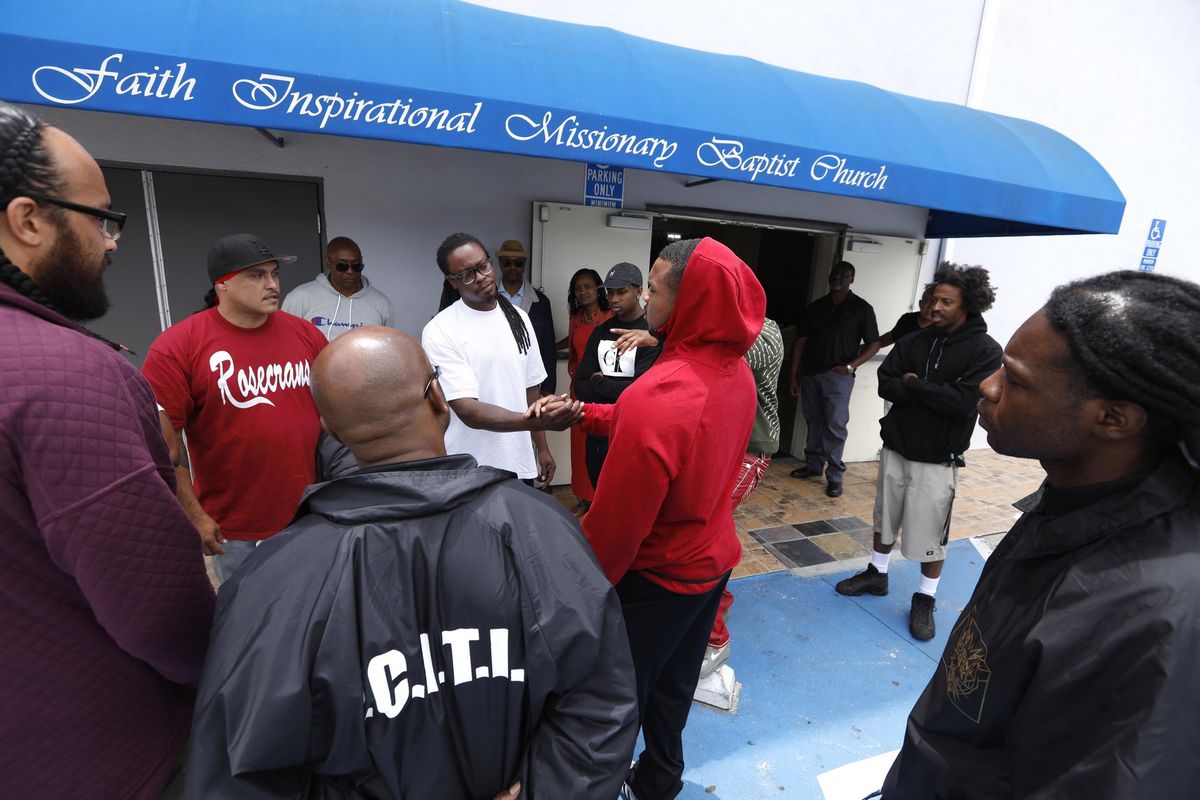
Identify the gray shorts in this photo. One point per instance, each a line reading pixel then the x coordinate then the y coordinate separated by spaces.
pixel 916 498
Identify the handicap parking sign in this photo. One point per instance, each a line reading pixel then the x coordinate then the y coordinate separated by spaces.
pixel 1153 245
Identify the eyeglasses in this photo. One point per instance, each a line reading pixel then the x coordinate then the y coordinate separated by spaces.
pixel 512 262
pixel 342 266
pixel 468 275
pixel 111 222
pixel 433 376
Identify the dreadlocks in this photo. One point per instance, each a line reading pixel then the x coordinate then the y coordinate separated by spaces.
pixel 1136 336
pixel 25 168
pixel 974 283
pixel 678 254
pixel 517 325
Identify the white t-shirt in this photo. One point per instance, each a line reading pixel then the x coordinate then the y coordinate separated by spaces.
pixel 479 358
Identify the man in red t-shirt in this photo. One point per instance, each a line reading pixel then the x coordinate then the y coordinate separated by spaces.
pixel 234 378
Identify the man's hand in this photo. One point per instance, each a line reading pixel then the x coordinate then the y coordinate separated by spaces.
pixel 511 793
pixel 795 387
pixel 210 536
pixel 841 369
pixel 546 466
pixel 633 338
pixel 554 413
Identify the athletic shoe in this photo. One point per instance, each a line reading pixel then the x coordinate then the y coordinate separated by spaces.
pixel 805 472
pixel 920 618
pixel 626 793
pixel 834 489
pixel 714 657
pixel 869 581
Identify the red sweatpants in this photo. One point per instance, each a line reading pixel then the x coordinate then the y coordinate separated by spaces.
pixel 750 474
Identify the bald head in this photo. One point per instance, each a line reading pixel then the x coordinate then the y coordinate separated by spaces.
pixel 369 386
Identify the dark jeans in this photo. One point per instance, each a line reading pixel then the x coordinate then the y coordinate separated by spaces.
pixel 595 450
pixel 668 634
pixel 825 402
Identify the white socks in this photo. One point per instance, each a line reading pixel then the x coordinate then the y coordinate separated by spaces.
pixel 928 586
pixel 880 561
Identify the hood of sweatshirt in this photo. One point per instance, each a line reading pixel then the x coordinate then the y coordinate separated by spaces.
pixel 415 489
pixel 324 283
pixel 719 309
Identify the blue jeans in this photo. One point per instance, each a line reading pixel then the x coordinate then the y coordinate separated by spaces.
pixel 825 402
pixel 235 553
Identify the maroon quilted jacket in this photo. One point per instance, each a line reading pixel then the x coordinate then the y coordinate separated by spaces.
pixel 105 606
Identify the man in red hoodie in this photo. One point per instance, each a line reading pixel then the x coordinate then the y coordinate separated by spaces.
pixel 662 521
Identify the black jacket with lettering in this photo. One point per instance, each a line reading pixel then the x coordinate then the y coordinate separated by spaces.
pixel 1071 673
pixel 933 415
pixel 427 630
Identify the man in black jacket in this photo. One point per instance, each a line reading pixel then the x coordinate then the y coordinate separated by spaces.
pixel 525 296
pixel 605 368
pixel 1071 672
pixel 425 628
pixel 932 379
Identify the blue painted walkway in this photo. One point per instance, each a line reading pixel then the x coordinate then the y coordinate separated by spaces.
pixel 827 680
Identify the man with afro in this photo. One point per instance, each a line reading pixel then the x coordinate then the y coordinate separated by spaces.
pixel 932 379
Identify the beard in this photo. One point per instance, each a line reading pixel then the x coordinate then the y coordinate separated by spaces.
pixel 75 287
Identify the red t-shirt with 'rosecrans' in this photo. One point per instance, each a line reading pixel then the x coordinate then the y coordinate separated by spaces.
pixel 242 397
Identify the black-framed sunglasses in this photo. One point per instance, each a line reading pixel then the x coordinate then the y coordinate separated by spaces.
pixel 112 223
pixel 512 262
pixel 342 266
pixel 467 276
pixel 433 376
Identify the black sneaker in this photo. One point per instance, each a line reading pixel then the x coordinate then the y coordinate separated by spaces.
pixel 870 581
pixel 834 489
pixel 920 618
pixel 805 472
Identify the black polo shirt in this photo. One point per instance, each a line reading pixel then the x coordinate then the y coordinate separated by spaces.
pixel 908 323
pixel 835 332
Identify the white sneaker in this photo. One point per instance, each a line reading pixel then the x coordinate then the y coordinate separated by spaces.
pixel 714 657
pixel 626 793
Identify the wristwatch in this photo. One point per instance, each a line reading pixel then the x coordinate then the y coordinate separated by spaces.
pixel 851 368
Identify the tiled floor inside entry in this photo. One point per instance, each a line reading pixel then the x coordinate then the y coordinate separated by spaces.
pixel 788 523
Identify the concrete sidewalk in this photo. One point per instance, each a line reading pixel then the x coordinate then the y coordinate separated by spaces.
pixel 826 680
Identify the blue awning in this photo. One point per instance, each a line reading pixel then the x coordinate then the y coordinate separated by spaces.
pixel 452 74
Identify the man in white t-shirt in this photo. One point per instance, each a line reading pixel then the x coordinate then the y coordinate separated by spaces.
pixel 489 368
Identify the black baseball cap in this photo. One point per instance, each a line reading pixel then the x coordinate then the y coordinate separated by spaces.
pixel 621 275
pixel 238 252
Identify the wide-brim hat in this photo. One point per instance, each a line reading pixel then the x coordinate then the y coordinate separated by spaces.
pixel 238 252
pixel 511 248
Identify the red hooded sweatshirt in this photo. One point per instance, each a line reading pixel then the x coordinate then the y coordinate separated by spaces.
pixel 663 506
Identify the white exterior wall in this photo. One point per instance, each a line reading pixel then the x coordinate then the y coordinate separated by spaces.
pixel 1120 77
pixel 1117 76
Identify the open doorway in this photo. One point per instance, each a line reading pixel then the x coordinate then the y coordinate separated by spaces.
pixel 782 258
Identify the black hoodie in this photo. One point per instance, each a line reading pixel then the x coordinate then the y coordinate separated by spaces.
pixel 432 629
pixel 933 415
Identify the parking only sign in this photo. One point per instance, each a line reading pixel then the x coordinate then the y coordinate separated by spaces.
pixel 604 186
pixel 1153 245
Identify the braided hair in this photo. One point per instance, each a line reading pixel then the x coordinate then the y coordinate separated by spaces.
pixel 449 294
pixel 978 295
pixel 25 168
pixel 1136 336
